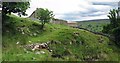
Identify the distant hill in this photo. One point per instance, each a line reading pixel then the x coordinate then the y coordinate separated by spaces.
pixel 93 25
pixel 94 20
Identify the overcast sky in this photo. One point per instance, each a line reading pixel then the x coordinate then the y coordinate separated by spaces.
pixel 75 10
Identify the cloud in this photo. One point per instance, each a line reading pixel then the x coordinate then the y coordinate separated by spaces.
pixel 103 0
pixel 111 4
pixel 105 3
pixel 83 16
pixel 72 10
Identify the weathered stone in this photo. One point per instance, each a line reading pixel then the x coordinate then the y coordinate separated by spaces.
pixel 17 42
pixel 37 52
pixel 70 43
pixel 29 41
pixel 42 52
pixel 38 46
pixel 23 33
pixel 35 34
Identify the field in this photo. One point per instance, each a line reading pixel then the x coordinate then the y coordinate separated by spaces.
pixel 95 25
pixel 69 44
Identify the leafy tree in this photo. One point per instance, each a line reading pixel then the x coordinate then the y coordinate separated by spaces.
pixel 15 7
pixel 44 15
pixel 114 21
pixel 116 33
pixel 114 27
pixel 113 16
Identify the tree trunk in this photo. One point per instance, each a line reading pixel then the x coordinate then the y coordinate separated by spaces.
pixel 42 26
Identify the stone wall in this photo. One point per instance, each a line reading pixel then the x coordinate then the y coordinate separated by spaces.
pixel 58 21
pixel 72 24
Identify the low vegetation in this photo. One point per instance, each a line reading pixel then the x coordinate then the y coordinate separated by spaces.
pixel 66 43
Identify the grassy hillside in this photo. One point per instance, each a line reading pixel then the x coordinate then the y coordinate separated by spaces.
pixel 70 44
pixel 94 25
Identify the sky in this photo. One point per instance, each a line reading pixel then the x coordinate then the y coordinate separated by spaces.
pixel 75 10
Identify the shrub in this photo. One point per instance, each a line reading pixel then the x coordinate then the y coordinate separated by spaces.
pixel 116 33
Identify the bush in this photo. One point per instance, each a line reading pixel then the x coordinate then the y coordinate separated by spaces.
pixel 116 33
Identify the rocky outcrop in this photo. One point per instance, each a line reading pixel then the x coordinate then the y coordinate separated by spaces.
pixel 37 46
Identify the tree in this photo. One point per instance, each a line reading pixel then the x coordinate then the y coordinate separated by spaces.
pixel 15 7
pixel 113 16
pixel 114 27
pixel 116 34
pixel 114 21
pixel 44 15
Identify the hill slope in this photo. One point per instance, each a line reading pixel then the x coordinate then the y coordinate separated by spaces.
pixel 94 25
pixel 67 43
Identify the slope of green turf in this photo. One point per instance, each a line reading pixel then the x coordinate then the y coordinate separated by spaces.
pixel 73 44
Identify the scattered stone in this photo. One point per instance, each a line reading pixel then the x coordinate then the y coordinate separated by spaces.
pixel 23 33
pixel 34 34
pixel 30 41
pixel 37 53
pixel 18 42
pixel 50 50
pixel 21 29
pixel 48 42
pixel 70 43
pixel 38 46
pixel 42 52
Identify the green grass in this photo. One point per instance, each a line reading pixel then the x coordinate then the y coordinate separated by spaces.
pixel 96 26
pixel 71 46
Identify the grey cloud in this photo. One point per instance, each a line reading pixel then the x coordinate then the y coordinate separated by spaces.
pixel 73 16
pixel 113 4
pixel 96 14
pixel 92 12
